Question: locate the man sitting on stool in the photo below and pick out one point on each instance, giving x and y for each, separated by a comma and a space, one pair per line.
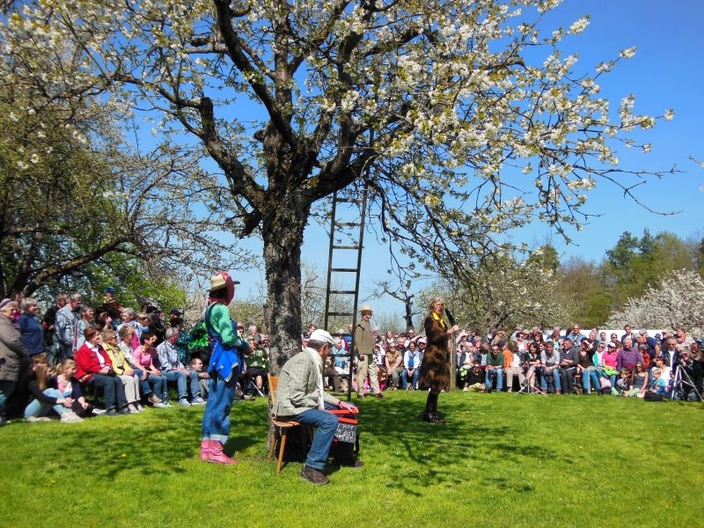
301, 396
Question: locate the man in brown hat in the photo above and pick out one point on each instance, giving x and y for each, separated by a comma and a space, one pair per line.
364, 346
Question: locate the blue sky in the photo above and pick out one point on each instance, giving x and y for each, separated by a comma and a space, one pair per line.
666, 72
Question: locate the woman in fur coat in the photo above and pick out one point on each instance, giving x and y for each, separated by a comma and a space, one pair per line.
435, 367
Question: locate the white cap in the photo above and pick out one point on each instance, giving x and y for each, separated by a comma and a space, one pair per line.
322, 336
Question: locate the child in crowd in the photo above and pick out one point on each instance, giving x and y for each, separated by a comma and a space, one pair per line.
45, 397
658, 384
623, 384
67, 383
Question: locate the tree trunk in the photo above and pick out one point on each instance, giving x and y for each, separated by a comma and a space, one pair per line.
283, 236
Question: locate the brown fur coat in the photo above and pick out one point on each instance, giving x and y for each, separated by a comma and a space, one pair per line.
435, 368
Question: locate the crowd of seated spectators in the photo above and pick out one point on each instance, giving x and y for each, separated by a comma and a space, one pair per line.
131, 359
82, 361
666, 365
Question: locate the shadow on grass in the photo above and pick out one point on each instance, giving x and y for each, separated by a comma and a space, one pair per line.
156, 442
467, 442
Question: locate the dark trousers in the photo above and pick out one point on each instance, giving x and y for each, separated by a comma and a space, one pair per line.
113, 390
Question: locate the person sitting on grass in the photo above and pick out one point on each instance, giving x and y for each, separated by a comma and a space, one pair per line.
65, 381
640, 381
623, 384
474, 379
44, 397
658, 385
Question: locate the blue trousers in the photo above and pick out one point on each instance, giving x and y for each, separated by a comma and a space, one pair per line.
216, 418
326, 425
180, 378
112, 389
590, 375
38, 408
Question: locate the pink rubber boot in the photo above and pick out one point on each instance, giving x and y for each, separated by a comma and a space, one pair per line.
205, 449
216, 455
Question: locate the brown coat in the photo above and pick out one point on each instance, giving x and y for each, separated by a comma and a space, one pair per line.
435, 368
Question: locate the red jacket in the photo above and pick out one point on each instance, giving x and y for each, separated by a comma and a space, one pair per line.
87, 362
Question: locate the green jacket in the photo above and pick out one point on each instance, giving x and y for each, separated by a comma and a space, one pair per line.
364, 338
297, 389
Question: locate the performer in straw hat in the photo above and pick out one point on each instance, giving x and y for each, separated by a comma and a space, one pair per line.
226, 361
364, 346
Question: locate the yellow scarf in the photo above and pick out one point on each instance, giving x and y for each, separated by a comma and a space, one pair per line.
440, 320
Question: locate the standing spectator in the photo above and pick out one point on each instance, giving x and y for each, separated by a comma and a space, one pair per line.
435, 366
364, 344
555, 337
652, 348
93, 367
682, 339
84, 321
176, 318
254, 333
67, 327
128, 319
575, 335
615, 340
155, 322
226, 360
49, 324
31, 331
111, 306
14, 360
628, 332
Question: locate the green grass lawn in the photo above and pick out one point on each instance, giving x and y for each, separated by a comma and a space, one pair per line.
499, 460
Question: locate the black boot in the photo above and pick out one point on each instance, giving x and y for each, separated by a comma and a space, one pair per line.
436, 414
431, 408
